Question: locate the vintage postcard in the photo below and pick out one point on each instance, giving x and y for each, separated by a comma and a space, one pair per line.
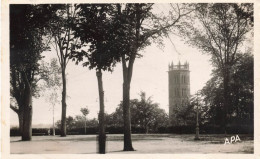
122, 79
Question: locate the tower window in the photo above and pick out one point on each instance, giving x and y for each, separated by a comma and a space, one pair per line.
175, 92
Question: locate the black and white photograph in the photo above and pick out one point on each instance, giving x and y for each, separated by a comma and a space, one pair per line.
129, 78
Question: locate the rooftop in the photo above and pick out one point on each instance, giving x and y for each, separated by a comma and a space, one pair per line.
179, 66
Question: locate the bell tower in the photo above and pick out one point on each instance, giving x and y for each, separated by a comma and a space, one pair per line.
179, 89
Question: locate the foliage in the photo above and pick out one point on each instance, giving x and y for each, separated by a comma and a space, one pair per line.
26, 46
27, 26
135, 27
63, 41
144, 114
185, 115
78, 122
117, 32
95, 30
60, 30
52, 80
211, 97
81, 120
241, 94
220, 30
84, 111
52, 74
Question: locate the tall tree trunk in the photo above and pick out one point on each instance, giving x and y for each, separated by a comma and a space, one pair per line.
101, 116
64, 105
27, 114
20, 118
127, 76
226, 98
127, 117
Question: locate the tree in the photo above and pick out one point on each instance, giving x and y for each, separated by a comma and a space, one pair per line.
115, 119
241, 94
93, 28
242, 90
60, 29
27, 23
185, 114
85, 112
119, 32
220, 30
52, 80
80, 122
213, 96
146, 111
136, 26
161, 119
145, 114
211, 99
70, 121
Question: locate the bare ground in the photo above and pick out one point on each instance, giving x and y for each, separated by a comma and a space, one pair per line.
142, 143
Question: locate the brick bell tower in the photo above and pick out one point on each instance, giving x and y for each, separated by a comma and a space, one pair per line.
179, 89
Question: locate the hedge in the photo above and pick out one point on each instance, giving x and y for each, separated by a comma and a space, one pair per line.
204, 129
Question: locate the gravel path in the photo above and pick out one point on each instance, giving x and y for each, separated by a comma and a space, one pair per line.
151, 143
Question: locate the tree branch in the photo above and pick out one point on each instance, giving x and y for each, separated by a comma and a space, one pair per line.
26, 81
15, 109
56, 48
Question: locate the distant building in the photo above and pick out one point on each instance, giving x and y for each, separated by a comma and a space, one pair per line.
179, 89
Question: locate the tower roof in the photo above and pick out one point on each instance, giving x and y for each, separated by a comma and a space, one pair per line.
179, 66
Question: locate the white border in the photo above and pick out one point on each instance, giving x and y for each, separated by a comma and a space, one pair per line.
5, 85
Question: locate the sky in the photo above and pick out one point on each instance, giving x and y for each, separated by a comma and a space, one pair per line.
149, 75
